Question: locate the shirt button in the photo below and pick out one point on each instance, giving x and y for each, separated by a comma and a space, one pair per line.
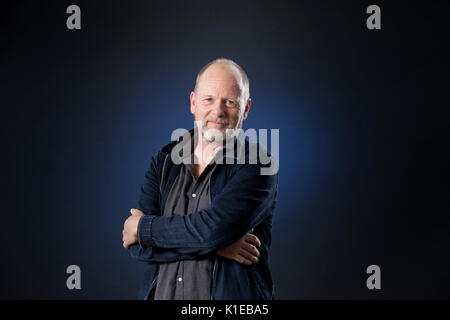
180, 279
194, 195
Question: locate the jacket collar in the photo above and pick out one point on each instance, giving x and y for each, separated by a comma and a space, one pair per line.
224, 153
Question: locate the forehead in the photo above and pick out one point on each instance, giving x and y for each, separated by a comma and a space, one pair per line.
218, 79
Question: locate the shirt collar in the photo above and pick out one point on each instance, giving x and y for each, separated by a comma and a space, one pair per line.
191, 137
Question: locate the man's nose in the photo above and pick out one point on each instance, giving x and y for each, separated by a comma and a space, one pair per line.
219, 108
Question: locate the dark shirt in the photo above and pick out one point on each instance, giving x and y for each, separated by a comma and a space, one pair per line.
186, 279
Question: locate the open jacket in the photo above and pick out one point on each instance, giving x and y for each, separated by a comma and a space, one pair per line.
241, 199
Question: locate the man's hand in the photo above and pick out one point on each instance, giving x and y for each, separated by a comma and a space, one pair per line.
129, 233
244, 250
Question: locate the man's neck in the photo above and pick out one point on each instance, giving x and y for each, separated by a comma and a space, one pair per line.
205, 151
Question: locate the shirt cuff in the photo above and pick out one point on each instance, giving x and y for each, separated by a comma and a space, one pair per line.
144, 231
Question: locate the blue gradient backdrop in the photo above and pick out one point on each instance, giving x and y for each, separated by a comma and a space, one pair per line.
362, 137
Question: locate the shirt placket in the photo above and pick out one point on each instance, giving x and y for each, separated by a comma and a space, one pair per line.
193, 196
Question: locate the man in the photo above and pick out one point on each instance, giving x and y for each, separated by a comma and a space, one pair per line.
203, 225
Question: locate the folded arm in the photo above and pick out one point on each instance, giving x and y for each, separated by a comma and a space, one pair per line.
246, 200
247, 197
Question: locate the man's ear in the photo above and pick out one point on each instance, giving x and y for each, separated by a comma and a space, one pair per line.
192, 98
247, 108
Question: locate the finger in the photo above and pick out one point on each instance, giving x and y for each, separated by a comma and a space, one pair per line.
250, 248
247, 255
136, 212
243, 260
252, 239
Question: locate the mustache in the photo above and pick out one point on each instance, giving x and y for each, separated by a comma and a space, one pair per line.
217, 120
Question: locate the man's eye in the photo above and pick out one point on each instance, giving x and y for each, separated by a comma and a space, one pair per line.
230, 102
208, 99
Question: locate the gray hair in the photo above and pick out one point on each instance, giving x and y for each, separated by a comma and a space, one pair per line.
239, 74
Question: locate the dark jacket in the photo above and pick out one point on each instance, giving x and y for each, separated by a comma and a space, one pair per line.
241, 199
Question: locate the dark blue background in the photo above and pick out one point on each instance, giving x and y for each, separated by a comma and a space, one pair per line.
363, 137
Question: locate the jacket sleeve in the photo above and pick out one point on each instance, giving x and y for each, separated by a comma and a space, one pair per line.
247, 199
149, 204
149, 198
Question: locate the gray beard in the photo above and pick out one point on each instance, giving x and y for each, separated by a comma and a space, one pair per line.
217, 137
